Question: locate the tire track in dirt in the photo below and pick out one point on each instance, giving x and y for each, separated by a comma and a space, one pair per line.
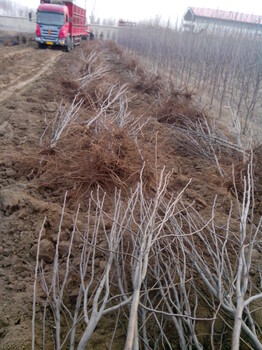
20, 86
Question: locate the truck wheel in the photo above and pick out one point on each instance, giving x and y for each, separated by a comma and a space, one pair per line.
41, 46
68, 44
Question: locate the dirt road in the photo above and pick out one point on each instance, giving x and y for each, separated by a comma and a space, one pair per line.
22, 67
28, 80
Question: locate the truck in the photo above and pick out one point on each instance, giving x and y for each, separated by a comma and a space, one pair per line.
61, 23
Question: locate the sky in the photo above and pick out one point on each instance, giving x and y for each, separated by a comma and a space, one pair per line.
136, 10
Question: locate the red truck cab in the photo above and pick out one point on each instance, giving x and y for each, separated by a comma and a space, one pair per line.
60, 23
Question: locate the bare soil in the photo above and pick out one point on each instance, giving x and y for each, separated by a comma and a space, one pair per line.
28, 87
31, 82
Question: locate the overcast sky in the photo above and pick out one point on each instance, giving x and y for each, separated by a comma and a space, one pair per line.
145, 9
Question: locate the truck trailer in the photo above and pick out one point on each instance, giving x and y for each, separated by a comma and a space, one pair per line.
61, 23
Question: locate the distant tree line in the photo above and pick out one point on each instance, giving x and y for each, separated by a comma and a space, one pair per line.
225, 67
105, 21
12, 8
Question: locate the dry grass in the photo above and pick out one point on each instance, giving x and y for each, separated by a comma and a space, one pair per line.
177, 107
196, 135
83, 160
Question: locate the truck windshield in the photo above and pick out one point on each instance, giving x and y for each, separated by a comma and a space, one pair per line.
50, 18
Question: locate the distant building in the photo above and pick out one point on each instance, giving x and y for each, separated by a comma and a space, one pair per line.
202, 19
122, 23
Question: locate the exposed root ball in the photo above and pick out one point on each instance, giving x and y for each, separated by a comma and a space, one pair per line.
83, 159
